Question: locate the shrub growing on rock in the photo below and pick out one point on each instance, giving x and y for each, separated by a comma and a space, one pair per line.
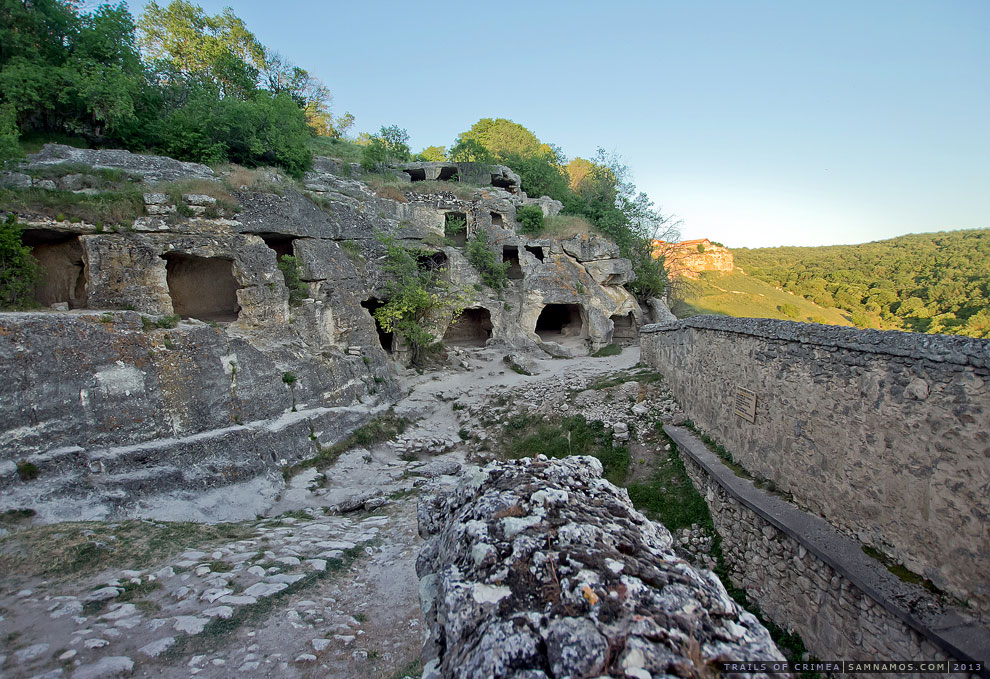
19, 271
483, 258
530, 219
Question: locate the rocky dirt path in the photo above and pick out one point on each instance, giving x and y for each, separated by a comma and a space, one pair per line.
323, 585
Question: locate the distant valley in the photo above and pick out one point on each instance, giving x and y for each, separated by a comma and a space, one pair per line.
932, 283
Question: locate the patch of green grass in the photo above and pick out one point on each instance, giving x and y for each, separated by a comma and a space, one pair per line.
566, 226
413, 668
166, 322
221, 191
637, 374
119, 206
96, 177
670, 497
902, 572
13, 517
353, 250
68, 549
737, 294
528, 436
608, 350
382, 428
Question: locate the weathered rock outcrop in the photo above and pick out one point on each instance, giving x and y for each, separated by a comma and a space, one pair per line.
93, 395
540, 568
691, 257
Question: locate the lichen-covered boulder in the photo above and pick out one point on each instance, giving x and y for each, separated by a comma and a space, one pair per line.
541, 569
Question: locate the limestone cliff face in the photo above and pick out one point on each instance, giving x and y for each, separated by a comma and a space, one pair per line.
246, 382
691, 257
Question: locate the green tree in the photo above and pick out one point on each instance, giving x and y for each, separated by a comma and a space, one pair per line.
470, 151
310, 94
69, 73
265, 130
18, 269
501, 138
214, 51
388, 147
432, 154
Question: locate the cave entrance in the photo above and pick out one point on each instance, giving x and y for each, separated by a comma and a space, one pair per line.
510, 256
202, 287
448, 174
624, 328
472, 328
455, 228
497, 219
373, 304
503, 182
63, 267
536, 251
280, 243
417, 175
560, 320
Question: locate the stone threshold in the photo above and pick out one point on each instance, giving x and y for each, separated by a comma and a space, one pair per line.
958, 635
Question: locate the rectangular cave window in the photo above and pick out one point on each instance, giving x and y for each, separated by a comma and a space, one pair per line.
497, 219
455, 228
202, 287
510, 255
373, 304
280, 243
63, 267
560, 320
417, 175
432, 261
472, 327
624, 327
448, 174
535, 251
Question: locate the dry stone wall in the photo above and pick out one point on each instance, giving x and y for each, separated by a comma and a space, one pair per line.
807, 577
885, 434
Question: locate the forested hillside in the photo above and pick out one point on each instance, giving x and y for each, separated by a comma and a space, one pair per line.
930, 282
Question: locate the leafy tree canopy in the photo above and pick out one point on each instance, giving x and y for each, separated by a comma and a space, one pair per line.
186, 42
433, 154
930, 282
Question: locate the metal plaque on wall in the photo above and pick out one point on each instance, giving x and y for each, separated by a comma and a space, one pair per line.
745, 404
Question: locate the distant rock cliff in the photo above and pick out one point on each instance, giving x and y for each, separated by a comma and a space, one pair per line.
691, 257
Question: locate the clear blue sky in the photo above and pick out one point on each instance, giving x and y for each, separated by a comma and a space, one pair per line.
757, 123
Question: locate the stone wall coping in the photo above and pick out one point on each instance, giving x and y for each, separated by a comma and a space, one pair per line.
960, 637
938, 348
